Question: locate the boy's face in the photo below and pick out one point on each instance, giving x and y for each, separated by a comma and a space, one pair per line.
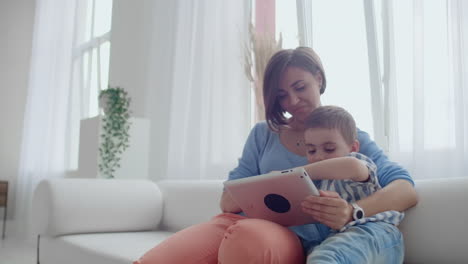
324, 143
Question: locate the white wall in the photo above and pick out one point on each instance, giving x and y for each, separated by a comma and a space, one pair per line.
16, 27
133, 37
130, 40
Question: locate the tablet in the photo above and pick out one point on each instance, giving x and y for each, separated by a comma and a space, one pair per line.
275, 196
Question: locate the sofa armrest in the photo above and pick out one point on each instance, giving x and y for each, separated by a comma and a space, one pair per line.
70, 206
435, 229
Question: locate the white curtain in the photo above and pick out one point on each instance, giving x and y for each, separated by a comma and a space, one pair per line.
198, 98
44, 150
418, 65
429, 101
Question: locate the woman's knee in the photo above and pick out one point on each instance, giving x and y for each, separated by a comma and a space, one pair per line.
259, 241
196, 244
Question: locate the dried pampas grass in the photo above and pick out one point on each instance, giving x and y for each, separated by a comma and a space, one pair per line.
258, 52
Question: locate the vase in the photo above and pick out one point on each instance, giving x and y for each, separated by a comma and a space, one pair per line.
104, 103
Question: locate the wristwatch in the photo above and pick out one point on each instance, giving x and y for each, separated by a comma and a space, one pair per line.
358, 212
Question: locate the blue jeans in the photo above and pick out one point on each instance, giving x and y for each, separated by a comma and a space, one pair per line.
373, 242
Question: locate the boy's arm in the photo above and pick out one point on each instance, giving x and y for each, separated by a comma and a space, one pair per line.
342, 168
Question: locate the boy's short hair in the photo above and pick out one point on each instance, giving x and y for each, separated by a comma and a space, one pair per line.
333, 117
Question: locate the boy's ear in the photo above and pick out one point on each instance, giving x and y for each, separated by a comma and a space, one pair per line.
355, 146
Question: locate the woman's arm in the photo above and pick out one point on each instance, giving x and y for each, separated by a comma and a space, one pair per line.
398, 192
398, 195
342, 168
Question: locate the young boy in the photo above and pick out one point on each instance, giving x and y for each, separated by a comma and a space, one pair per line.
331, 142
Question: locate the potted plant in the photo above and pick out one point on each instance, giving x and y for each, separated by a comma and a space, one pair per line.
115, 103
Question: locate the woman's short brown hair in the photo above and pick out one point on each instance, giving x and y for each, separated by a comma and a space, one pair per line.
333, 117
301, 57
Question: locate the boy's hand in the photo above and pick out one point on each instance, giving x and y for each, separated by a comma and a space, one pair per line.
329, 209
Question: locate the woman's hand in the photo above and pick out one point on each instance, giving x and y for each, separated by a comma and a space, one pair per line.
329, 209
227, 204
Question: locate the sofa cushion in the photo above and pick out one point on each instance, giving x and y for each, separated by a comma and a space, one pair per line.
435, 229
189, 202
103, 248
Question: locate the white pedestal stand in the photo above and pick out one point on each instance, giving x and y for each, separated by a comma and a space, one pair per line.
134, 160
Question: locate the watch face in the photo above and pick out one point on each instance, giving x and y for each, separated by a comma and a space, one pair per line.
359, 214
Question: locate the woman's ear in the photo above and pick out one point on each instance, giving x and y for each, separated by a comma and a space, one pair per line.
319, 78
355, 146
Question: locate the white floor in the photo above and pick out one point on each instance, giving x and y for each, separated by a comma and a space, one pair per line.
15, 252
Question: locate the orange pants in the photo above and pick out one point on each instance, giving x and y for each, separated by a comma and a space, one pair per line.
228, 239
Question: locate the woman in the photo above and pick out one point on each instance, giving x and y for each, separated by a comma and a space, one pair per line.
293, 82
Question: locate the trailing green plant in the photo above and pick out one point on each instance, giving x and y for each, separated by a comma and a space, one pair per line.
115, 129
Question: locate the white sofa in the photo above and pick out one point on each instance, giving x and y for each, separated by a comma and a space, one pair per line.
97, 221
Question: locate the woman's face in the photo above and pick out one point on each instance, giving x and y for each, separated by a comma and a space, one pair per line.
299, 92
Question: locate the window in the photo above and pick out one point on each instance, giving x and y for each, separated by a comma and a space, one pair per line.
422, 67
339, 37
91, 53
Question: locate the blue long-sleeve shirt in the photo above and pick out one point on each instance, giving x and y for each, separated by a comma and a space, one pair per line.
263, 153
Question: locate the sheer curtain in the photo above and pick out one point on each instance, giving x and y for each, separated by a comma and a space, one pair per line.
428, 124
198, 98
417, 68
44, 148
338, 35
